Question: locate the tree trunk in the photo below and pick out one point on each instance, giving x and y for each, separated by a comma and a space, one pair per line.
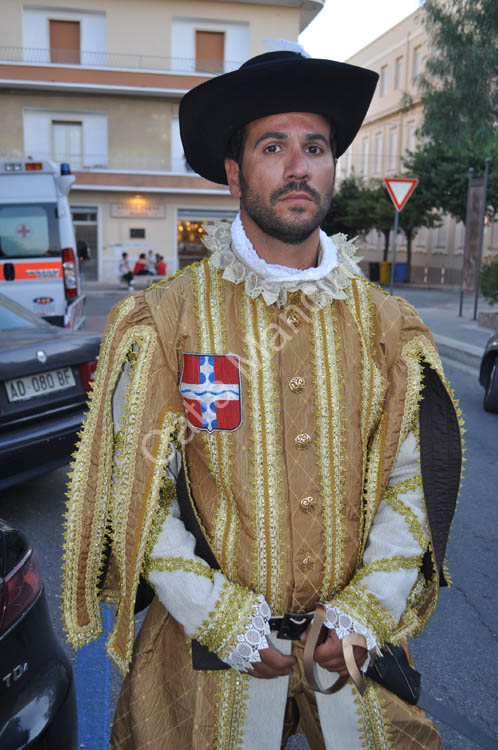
409, 237
386, 244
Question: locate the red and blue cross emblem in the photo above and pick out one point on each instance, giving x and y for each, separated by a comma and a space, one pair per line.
210, 388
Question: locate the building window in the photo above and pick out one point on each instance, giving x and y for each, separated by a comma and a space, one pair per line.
195, 40
79, 137
190, 231
378, 153
179, 161
84, 215
364, 157
460, 238
383, 80
345, 163
412, 138
63, 35
393, 148
440, 238
417, 61
349, 161
137, 233
67, 143
398, 73
209, 51
64, 42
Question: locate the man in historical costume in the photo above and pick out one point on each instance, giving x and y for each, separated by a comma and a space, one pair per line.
269, 435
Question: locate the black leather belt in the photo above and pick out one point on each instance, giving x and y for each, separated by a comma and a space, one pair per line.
291, 625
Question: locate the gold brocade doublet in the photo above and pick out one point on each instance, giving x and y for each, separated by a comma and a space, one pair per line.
280, 496
286, 463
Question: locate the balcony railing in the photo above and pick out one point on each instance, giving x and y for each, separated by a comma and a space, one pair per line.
86, 58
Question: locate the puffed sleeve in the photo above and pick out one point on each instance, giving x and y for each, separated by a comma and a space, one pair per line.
395, 588
116, 475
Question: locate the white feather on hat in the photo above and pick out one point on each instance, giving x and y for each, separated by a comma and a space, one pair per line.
274, 44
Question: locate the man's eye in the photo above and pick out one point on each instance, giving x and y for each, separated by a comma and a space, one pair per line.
272, 148
315, 149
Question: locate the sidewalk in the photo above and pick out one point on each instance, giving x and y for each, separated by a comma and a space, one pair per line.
460, 339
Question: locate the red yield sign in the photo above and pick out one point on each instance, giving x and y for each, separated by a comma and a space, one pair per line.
400, 189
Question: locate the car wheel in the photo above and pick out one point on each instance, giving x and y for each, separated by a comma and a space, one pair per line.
491, 395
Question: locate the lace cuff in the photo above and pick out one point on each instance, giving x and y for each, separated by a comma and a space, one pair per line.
253, 639
344, 624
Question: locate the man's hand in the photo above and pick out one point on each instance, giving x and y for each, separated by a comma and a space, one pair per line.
272, 664
329, 653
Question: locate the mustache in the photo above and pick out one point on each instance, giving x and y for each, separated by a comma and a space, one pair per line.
298, 186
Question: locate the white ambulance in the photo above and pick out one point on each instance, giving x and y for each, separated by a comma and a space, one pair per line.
38, 259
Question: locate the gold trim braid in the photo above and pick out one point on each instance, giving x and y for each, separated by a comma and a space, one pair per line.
80, 633
265, 454
329, 411
120, 643
233, 609
212, 339
115, 484
231, 704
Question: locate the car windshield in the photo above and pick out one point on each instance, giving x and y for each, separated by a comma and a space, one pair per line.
28, 230
13, 315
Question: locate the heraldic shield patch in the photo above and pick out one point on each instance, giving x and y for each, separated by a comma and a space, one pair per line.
210, 388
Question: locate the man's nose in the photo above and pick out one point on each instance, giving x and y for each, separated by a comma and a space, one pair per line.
297, 166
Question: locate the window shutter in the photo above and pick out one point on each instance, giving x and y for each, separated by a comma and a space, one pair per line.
65, 42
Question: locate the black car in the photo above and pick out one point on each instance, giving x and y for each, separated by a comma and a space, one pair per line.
37, 693
45, 375
488, 375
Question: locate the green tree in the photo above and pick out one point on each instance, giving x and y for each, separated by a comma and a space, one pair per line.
351, 211
459, 85
459, 94
382, 212
489, 281
445, 177
358, 207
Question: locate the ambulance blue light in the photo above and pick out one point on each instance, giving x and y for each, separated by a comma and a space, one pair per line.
65, 168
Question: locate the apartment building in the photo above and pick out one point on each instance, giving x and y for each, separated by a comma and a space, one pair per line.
98, 84
388, 132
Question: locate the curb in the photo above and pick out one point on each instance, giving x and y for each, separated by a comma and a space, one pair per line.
466, 354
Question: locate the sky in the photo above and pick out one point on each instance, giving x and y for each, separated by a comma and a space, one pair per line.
343, 27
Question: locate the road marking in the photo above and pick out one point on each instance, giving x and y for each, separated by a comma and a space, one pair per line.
93, 689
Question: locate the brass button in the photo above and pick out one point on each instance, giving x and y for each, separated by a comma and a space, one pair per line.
307, 504
296, 384
294, 319
308, 563
302, 441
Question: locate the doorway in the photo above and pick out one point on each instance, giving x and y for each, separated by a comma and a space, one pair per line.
85, 221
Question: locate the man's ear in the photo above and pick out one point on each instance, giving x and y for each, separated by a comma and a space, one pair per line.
233, 176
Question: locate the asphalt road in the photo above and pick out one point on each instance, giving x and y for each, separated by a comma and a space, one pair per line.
457, 653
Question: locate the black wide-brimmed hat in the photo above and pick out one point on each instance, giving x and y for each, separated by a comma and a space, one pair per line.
269, 84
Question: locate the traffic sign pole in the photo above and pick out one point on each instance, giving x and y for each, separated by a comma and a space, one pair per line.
483, 218
399, 189
395, 242
460, 308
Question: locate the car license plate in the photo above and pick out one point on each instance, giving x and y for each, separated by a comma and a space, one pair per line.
20, 389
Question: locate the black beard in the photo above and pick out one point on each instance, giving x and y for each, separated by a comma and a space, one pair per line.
264, 216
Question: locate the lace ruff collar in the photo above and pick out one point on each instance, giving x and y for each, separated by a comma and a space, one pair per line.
322, 284
244, 249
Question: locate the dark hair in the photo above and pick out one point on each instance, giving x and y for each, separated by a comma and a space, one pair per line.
236, 145
237, 142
